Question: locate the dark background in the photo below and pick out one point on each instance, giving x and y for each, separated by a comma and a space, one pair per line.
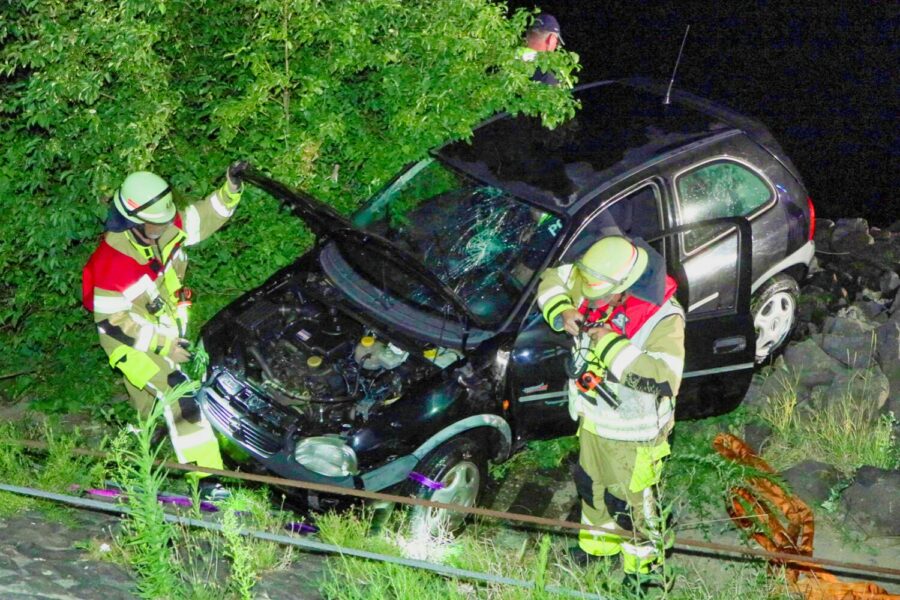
823, 77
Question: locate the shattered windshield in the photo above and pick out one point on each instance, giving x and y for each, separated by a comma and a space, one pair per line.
481, 242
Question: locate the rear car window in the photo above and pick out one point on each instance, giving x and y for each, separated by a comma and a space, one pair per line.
720, 189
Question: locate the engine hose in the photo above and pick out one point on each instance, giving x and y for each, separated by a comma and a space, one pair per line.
263, 364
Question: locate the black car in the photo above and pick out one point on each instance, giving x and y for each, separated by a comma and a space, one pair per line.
405, 350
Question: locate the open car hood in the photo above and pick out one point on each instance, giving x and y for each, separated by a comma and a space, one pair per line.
324, 221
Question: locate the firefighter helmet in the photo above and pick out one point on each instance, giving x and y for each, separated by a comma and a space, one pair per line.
145, 198
611, 266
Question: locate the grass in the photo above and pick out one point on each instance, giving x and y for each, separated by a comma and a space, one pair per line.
54, 471
539, 454
846, 434
539, 557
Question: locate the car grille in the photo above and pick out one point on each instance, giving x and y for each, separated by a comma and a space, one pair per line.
239, 426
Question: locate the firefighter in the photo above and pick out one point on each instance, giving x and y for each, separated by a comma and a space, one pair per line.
133, 285
624, 373
542, 36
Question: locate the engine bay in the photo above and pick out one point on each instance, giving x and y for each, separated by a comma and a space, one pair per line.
300, 346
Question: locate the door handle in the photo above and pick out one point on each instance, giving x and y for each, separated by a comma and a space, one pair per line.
730, 345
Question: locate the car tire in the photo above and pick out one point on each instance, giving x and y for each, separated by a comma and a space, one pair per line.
774, 310
460, 466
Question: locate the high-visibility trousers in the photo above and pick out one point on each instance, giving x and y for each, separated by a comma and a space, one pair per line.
191, 434
616, 482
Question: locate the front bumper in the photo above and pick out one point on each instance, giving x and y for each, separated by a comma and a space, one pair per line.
273, 450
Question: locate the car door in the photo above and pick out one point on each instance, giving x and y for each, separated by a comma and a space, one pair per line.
719, 334
537, 381
721, 343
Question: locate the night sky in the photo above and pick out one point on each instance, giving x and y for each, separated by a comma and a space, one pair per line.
823, 77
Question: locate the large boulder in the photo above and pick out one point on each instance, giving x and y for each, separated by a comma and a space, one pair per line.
812, 365
889, 360
850, 235
853, 322
872, 501
889, 282
855, 351
866, 389
812, 480
824, 229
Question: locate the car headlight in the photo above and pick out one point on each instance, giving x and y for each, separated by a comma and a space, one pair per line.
326, 455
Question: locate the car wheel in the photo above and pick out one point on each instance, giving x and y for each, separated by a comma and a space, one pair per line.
774, 309
456, 474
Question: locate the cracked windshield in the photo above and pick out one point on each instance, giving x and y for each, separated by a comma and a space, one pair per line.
482, 242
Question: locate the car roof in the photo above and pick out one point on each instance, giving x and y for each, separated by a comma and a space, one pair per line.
621, 126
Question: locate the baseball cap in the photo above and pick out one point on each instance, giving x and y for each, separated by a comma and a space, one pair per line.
547, 22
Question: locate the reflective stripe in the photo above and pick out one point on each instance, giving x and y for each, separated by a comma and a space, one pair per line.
565, 272
145, 335
739, 367
556, 290
623, 360
173, 433
143, 285
639, 550
107, 305
675, 363
192, 225
221, 209
598, 542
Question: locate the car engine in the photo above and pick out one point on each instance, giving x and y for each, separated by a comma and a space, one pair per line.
296, 346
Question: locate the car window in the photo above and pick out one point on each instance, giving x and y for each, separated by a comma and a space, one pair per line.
719, 189
637, 214
481, 241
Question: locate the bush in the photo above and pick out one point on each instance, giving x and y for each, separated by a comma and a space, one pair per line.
333, 97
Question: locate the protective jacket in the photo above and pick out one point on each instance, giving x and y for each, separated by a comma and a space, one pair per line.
639, 364
135, 291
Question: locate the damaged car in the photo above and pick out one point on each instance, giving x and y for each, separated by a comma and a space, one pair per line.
405, 350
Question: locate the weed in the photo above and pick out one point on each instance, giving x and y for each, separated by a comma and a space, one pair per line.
243, 575
845, 433
147, 536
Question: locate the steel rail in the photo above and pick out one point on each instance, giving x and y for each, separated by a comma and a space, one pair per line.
308, 545
680, 543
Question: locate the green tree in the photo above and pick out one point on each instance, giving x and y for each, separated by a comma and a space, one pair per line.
330, 96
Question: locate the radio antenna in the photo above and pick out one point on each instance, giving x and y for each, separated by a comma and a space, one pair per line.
675, 70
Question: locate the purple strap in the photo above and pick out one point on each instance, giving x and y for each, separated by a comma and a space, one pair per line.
299, 527
106, 493
429, 483
176, 500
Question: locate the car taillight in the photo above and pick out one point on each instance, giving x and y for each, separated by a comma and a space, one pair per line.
812, 218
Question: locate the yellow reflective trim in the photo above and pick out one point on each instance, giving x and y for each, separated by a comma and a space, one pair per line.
634, 564
648, 466
168, 248
171, 282
137, 367
204, 455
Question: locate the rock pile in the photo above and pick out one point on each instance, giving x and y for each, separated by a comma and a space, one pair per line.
846, 348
